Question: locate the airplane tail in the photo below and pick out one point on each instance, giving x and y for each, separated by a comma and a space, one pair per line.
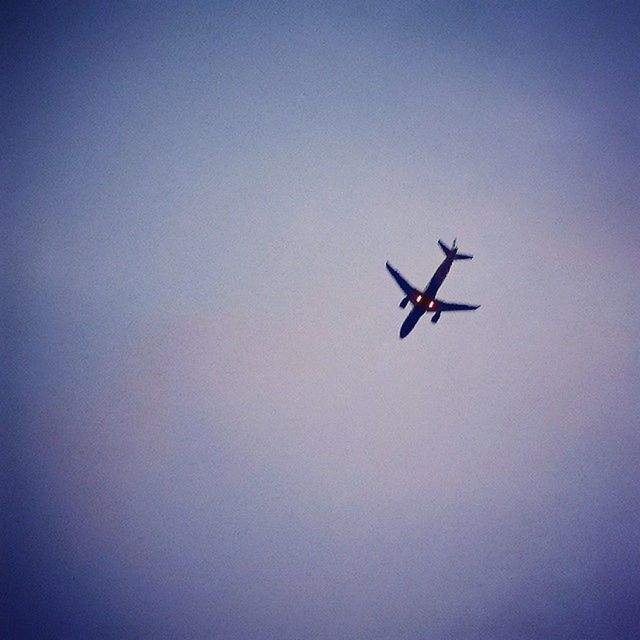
453, 252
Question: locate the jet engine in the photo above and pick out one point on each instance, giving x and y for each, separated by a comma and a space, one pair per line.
404, 302
436, 317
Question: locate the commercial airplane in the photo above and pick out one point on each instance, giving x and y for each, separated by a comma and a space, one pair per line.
426, 301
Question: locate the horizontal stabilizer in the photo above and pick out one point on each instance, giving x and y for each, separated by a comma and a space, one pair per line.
444, 247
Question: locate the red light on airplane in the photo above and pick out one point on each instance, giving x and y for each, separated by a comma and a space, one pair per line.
418, 298
430, 305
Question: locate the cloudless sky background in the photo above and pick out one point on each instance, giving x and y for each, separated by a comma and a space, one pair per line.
211, 428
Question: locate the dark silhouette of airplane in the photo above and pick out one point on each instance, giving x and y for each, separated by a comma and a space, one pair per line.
426, 301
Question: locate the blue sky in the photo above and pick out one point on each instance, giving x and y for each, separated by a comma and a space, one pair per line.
213, 430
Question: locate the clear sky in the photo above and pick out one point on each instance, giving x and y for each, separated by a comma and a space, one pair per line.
210, 426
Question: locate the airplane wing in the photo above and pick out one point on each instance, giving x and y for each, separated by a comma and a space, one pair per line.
454, 306
402, 283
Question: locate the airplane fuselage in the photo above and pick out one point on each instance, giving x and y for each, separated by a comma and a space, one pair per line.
438, 277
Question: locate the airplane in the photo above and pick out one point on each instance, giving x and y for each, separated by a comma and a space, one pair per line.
426, 301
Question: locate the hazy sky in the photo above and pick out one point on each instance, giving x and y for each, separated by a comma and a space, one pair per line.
211, 428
